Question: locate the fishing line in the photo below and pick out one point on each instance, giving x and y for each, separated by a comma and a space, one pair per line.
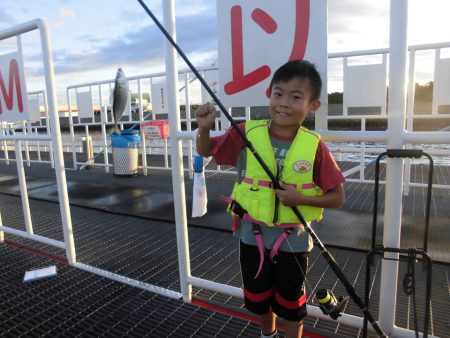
305, 274
328, 257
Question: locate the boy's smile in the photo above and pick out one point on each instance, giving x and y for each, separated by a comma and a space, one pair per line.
290, 103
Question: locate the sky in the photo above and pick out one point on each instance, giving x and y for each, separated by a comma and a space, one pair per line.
91, 38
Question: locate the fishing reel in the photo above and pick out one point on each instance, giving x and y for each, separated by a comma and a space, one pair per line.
329, 304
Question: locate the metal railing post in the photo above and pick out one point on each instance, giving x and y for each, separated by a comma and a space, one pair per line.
176, 155
56, 140
394, 168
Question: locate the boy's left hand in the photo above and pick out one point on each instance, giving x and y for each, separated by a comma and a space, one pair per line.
289, 196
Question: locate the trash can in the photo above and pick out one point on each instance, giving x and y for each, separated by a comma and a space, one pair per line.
125, 152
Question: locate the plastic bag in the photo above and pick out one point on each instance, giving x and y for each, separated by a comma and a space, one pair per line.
200, 195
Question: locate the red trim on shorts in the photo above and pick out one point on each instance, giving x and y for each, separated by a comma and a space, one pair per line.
240, 313
288, 304
258, 297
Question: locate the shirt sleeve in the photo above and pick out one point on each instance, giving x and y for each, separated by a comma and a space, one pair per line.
226, 148
327, 174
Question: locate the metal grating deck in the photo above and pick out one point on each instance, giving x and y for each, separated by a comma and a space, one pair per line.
77, 303
134, 236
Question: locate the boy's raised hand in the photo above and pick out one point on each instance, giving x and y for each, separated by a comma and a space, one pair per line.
205, 116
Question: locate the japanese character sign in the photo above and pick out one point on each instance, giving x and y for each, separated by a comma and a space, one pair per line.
258, 36
159, 98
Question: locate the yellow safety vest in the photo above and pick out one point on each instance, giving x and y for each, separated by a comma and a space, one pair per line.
255, 193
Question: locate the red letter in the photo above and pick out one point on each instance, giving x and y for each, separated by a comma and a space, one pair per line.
13, 78
240, 80
302, 12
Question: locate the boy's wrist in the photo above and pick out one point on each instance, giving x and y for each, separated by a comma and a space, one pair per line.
203, 131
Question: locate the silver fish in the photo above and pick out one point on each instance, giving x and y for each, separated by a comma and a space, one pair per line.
120, 96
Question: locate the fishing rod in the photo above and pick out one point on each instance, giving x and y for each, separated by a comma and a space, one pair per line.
328, 257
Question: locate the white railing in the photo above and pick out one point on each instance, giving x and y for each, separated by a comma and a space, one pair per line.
101, 119
10, 137
54, 138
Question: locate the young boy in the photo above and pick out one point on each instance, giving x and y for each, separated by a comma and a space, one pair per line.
274, 245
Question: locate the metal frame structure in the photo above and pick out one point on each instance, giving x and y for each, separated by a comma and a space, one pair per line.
53, 135
75, 144
54, 138
395, 137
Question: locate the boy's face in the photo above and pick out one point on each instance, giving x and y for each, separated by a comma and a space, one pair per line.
290, 103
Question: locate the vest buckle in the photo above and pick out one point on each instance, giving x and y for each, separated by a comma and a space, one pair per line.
255, 184
237, 209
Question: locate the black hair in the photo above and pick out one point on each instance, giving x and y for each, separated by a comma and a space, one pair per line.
299, 69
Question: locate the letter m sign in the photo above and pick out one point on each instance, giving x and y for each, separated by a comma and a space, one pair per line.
13, 92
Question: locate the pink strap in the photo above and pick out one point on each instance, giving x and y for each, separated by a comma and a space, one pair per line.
269, 184
278, 242
226, 198
250, 219
260, 243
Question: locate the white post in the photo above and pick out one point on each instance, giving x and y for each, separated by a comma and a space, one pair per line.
47, 125
23, 187
4, 131
176, 153
363, 151
104, 120
2, 235
409, 116
247, 113
187, 104
56, 140
141, 119
72, 133
344, 99
24, 129
394, 171
434, 104
383, 105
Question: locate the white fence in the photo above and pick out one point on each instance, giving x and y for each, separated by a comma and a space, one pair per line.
90, 117
16, 139
13, 135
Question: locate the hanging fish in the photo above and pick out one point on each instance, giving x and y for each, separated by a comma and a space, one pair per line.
120, 98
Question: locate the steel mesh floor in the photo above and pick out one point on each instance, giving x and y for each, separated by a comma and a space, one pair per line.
76, 303
80, 304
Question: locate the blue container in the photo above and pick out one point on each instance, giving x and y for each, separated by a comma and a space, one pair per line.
125, 152
127, 139
198, 164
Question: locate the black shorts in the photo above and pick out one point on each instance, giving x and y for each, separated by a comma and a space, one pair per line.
279, 285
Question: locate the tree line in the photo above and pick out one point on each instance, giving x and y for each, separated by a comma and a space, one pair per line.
423, 93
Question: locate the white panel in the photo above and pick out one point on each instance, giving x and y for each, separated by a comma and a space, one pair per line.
84, 105
264, 37
34, 109
14, 103
443, 82
159, 98
365, 85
